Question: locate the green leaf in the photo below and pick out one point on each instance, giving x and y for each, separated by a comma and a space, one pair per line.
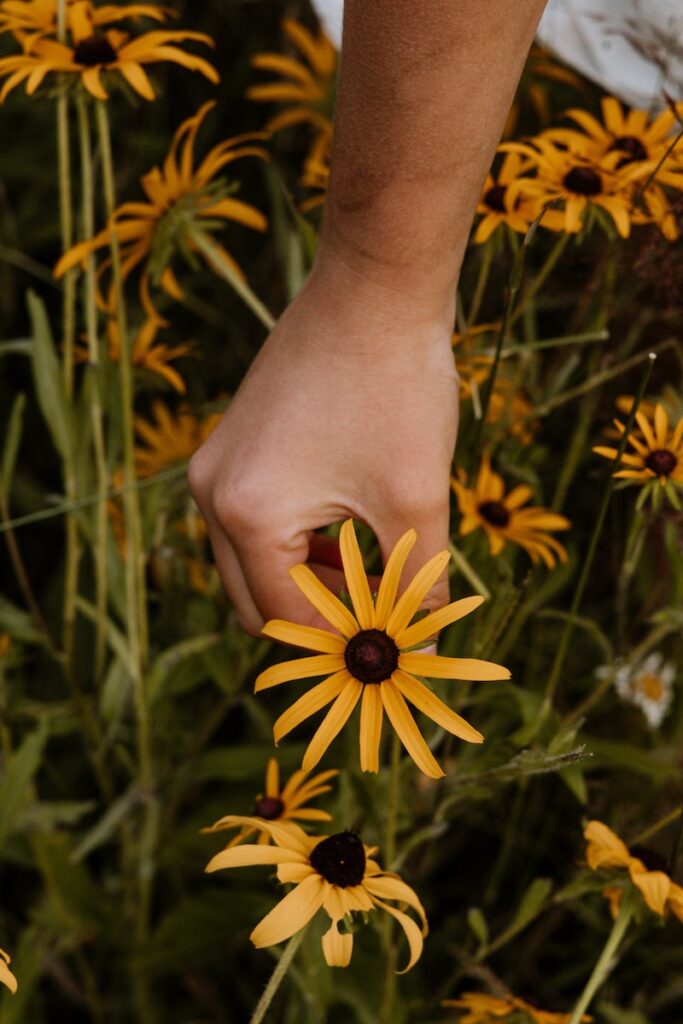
47, 377
107, 825
532, 901
12, 441
477, 924
21, 769
18, 623
172, 657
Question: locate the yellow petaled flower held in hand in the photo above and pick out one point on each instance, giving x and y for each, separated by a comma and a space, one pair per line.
503, 516
480, 1008
308, 88
335, 873
286, 804
657, 450
171, 437
499, 205
181, 198
370, 660
6, 976
606, 850
33, 19
93, 53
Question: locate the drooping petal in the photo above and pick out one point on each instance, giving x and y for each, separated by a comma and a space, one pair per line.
291, 914
6, 976
356, 579
436, 621
323, 600
388, 588
303, 668
654, 885
415, 593
332, 723
411, 930
391, 888
337, 948
429, 704
272, 778
605, 848
371, 716
409, 734
434, 666
304, 636
313, 700
249, 854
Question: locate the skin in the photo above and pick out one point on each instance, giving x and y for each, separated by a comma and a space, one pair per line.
350, 408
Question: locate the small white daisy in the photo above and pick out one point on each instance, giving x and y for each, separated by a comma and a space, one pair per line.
648, 684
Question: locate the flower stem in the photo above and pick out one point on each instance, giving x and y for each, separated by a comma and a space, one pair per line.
563, 646
535, 286
480, 286
276, 977
224, 270
605, 964
389, 990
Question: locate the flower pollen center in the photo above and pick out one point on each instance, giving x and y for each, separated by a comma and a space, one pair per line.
340, 859
495, 513
371, 656
649, 686
495, 199
95, 50
583, 180
631, 146
269, 807
661, 461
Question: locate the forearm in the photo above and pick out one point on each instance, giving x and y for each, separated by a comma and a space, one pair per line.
424, 91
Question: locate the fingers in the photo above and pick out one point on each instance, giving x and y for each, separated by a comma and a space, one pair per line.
233, 580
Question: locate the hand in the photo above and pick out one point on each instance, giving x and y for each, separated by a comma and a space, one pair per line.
349, 409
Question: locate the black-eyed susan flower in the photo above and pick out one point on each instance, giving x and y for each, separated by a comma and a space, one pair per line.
6, 976
504, 517
286, 803
480, 1008
30, 20
498, 204
307, 86
577, 182
180, 199
647, 683
146, 353
332, 873
605, 850
169, 437
657, 450
93, 55
369, 660
635, 135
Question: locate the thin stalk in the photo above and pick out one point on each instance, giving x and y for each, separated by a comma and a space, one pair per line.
546, 270
563, 646
250, 299
386, 1015
95, 369
276, 977
468, 571
480, 287
136, 604
23, 580
606, 962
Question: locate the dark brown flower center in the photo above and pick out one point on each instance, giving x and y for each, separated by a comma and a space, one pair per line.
371, 656
340, 859
662, 462
631, 146
495, 199
95, 50
495, 513
269, 807
651, 860
583, 180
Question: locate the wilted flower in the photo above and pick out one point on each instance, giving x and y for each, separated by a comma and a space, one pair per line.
335, 873
372, 660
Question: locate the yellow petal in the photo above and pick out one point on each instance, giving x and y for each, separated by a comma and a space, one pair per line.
294, 873
433, 666
429, 704
654, 885
304, 668
431, 624
412, 933
136, 76
661, 425
388, 588
250, 854
332, 723
6, 976
605, 848
391, 888
272, 778
371, 716
291, 914
93, 83
286, 834
311, 701
356, 580
337, 948
409, 734
323, 600
415, 593
304, 636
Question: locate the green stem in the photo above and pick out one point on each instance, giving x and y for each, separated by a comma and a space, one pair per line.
535, 286
95, 369
606, 962
224, 270
563, 646
479, 288
468, 571
276, 977
136, 603
386, 1015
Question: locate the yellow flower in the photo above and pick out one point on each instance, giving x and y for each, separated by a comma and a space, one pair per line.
281, 804
335, 873
316, 172
93, 53
504, 518
146, 352
180, 199
473, 366
33, 19
372, 660
511, 409
578, 181
606, 850
500, 205
171, 437
6, 976
657, 453
480, 1008
308, 86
